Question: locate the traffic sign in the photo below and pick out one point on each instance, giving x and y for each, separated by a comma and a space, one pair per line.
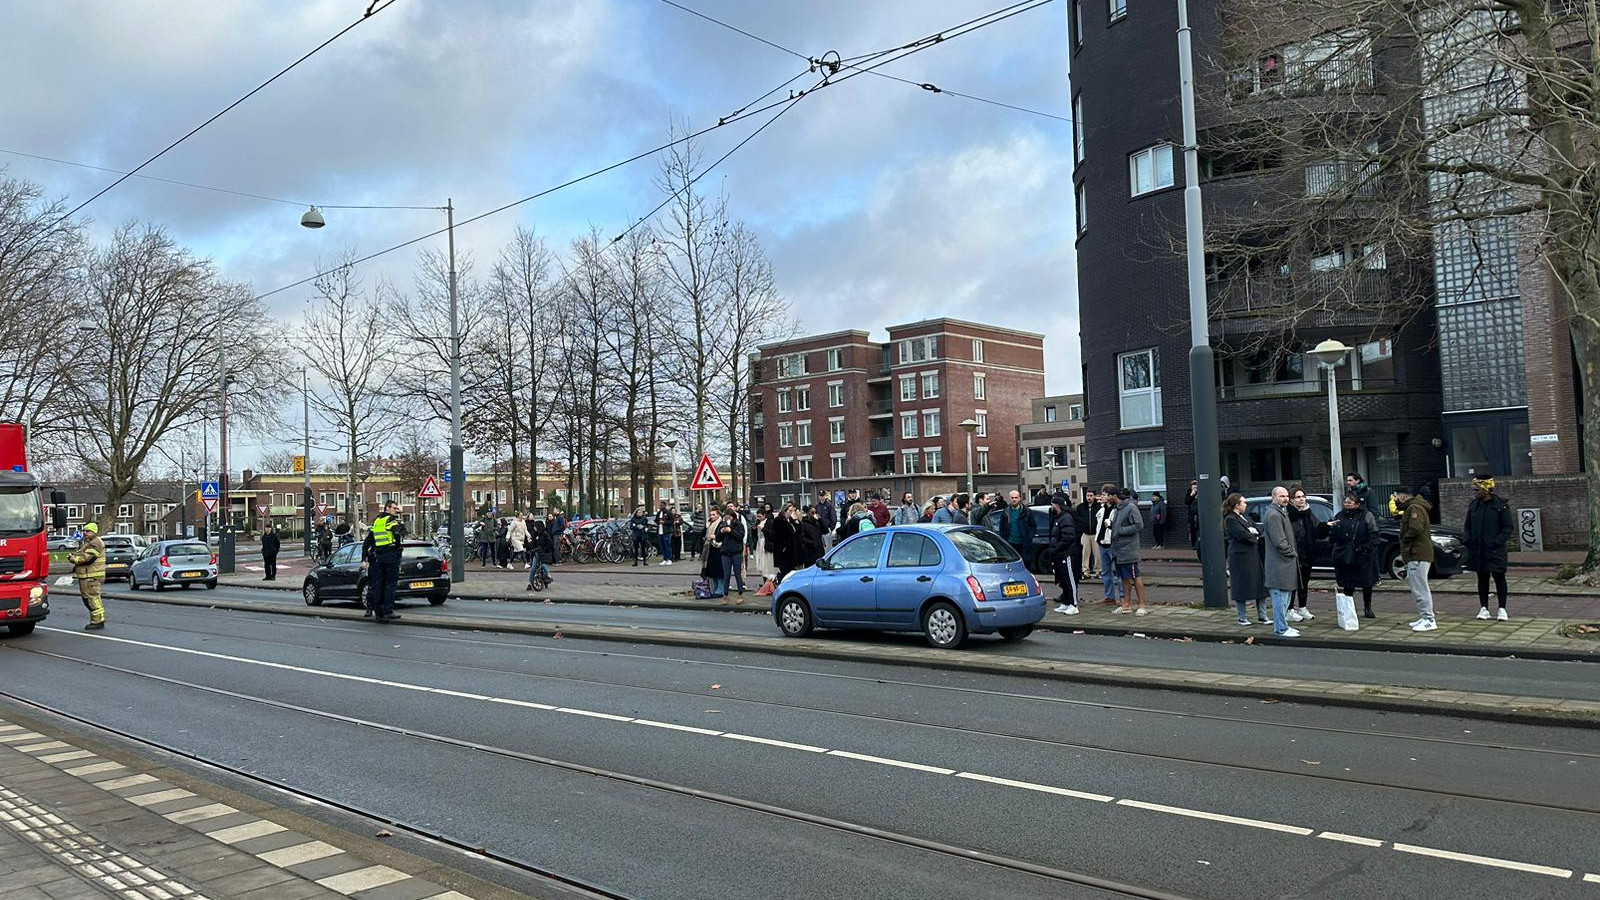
446, 476
322, 510
210, 502
299, 464
705, 476
430, 489
210, 490
262, 510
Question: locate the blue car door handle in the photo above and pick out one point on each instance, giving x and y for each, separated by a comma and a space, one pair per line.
924, 577
866, 578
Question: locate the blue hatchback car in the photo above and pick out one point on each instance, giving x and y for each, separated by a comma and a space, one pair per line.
947, 581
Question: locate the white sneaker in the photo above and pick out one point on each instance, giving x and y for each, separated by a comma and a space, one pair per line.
1414, 623
1062, 608
1503, 615
1071, 610
1424, 625
1289, 632
1294, 615
1306, 616
666, 562
1483, 612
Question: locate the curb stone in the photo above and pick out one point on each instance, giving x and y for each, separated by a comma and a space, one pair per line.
1393, 698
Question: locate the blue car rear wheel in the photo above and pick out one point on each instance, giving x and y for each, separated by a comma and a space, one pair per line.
944, 626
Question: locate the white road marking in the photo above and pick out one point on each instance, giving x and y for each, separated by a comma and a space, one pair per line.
1591, 878
40, 748
362, 879
897, 763
200, 813
117, 784
1218, 817
21, 736
525, 704
154, 797
787, 745
1512, 864
676, 727
95, 769
299, 853
1351, 839
1031, 786
594, 715
55, 758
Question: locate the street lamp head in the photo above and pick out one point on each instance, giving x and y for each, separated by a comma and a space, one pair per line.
672, 443
969, 425
313, 218
1330, 352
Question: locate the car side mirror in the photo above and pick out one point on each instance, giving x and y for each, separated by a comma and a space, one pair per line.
824, 564
58, 517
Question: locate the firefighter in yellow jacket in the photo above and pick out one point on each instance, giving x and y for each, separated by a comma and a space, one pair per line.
89, 565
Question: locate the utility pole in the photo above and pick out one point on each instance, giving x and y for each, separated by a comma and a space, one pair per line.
305, 411
458, 454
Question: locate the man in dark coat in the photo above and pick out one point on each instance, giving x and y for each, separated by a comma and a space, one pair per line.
809, 546
826, 515
270, 546
1065, 551
1488, 528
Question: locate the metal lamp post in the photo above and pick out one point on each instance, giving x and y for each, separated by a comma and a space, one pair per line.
225, 547
364, 476
969, 426
305, 410
1049, 470
1330, 354
313, 218
672, 455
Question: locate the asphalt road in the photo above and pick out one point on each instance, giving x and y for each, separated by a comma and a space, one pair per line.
1199, 796
1518, 677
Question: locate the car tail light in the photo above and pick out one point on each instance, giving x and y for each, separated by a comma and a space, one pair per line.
1033, 585
975, 588
164, 563
213, 559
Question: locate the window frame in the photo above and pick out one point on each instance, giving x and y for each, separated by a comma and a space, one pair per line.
977, 350
1116, 11
981, 416
905, 381
835, 359
802, 399
982, 464
835, 396
1080, 149
1081, 208
1153, 391
930, 385
932, 423
910, 461
980, 386
1153, 152
933, 460
1132, 476
910, 419
802, 434
835, 431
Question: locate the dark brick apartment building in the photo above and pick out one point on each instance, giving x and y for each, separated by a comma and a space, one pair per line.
839, 411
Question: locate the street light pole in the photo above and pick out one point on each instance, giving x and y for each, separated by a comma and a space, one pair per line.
969, 426
672, 454
305, 466
224, 512
1202, 364
1331, 354
458, 453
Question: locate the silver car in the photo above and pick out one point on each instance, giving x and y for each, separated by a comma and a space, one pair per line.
168, 563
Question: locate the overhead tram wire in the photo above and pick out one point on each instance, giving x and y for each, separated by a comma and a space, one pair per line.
743, 113
854, 62
377, 6
188, 184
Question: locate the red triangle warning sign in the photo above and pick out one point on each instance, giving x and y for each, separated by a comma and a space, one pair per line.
705, 476
430, 489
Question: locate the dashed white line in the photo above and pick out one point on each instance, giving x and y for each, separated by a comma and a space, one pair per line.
673, 726
1218, 817
897, 763
1592, 878
594, 715
787, 745
1041, 788
1497, 863
1350, 839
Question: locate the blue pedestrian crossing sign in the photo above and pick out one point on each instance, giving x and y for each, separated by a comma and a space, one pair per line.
446, 476
210, 490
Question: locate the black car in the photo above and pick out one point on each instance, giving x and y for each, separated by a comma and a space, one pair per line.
1036, 558
121, 551
1447, 547
423, 573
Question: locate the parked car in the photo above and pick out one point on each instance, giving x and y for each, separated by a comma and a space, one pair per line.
1447, 546
947, 581
61, 543
176, 562
121, 551
423, 573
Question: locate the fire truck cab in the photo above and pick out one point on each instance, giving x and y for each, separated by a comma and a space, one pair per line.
24, 556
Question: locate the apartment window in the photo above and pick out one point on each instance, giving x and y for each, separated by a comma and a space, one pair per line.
982, 418
930, 386
977, 350
1063, 454
908, 387
1075, 412
837, 466
836, 431
1145, 470
792, 365
785, 470
930, 424
1080, 205
1077, 129
1150, 169
835, 396
1049, 413
74, 511
908, 425
1116, 10
785, 402
802, 398
805, 468
125, 511
1139, 387
803, 434
980, 386
1035, 457
99, 510
934, 460
150, 510
1077, 24
908, 462
1365, 256
835, 360
785, 435
983, 462
919, 349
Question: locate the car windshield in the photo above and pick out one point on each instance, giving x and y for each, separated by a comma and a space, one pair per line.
420, 551
195, 549
20, 512
982, 546
113, 540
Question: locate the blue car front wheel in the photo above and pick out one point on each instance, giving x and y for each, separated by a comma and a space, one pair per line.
794, 617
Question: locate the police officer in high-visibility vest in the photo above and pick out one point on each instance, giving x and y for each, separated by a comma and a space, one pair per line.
89, 565
381, 554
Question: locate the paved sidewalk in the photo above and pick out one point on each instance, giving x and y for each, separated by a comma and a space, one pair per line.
76, 824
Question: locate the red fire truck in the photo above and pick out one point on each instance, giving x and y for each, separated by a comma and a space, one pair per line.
24, 558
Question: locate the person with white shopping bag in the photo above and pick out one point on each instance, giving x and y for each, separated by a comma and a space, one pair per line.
1354, 538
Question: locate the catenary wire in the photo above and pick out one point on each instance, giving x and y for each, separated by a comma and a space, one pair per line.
372, 10
727, 120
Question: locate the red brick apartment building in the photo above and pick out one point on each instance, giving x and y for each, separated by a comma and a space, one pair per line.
839, 411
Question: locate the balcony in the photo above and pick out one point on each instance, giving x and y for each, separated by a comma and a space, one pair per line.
1326, 65
880, 408
1342, 289
882, 445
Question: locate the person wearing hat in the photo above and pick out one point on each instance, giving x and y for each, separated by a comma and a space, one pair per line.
1488, 528
1416, 551
89, 565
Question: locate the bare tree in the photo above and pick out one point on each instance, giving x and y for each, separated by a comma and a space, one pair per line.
424, 321
756, 314
523, 282
1463, 129
637, 356
354, 355
41, 265
149, 366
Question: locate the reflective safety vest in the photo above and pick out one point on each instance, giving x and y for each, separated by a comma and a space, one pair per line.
382, 532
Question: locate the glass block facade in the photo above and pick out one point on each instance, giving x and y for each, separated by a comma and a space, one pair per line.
1481, 355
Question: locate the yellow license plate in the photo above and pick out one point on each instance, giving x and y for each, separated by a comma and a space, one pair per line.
421, 584
116, 565
191, 574
1014, 590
